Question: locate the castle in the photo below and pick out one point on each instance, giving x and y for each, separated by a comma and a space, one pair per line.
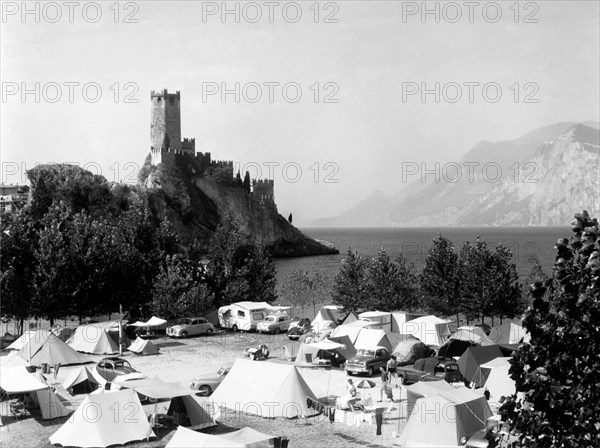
166, 144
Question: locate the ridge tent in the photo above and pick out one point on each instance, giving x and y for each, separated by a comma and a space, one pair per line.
441, 420
81, 381
186, 438
93, 339
473, 357
346, 330
324, 319
290, 350
496, 379
322, 349
424, 389
49, 349
471, 334
24, 338
348, 350
12, 360
369, 338
94, 424
430, 330
143, 347
351, 317
196, 410
509, 333
454, 347
266, 389
16, 380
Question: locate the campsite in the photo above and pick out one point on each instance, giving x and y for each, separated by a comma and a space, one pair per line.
300, 393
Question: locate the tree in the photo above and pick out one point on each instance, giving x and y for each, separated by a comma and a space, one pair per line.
536, 275
440, 280
389, 286
349, 283
179, 289
303, 289
559, 370
247, 182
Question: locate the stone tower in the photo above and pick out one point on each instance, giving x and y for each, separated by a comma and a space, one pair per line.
165, 125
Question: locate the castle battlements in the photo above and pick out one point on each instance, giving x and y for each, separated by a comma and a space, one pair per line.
166, 142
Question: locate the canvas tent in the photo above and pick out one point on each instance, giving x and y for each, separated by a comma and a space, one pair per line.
48, 348
494, 376
253, 387
369, 338
350, 317
81, 381
24, 338
509, 333
324, 319
200, 413
430, 330
471, 334
143, 347
93, 339
186, 438
12, 360
346, 330
454, 348
290, 350
326, 349
94, 424
424, 389
16, 380
441, 420
473, 357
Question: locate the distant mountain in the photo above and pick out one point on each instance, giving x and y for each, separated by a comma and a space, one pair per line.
513, 183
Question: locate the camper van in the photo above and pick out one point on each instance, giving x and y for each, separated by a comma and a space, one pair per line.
243, 316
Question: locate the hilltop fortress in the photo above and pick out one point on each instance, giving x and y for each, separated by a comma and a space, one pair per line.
193, 191
166, 143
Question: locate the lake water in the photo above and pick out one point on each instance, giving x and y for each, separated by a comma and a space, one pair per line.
526, 243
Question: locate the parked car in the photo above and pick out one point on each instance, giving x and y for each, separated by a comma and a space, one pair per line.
274, 323
430, 369
190, 326
113, 367
207, 383
368, 361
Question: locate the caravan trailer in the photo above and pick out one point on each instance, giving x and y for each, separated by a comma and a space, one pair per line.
243, 316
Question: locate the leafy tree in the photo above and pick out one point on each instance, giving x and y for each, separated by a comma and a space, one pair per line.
559, 371
536, 274
238, 271
180, 290
349, 283
440, 279
304, 290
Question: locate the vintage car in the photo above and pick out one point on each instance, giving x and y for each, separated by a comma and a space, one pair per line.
431, 369
207, 383
274, 323
190, 326
368, 361
113, 367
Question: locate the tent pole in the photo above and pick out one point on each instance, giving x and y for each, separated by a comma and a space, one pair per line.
29, 341
120, 330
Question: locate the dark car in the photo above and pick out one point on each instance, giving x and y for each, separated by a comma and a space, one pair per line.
113, 367
368, 361
298, 328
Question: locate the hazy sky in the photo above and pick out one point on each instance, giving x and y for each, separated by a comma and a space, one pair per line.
375, 51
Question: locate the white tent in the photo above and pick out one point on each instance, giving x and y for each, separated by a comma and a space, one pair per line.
346, 330
15, 380
12, 360
370, 338
430, 330
509, 333
472, 334
441, 420
266, 389
143, 347
323, 320
497, 379
201, 413
46, 347
186, 438
102, 420
24, 338
93, 339
81, 380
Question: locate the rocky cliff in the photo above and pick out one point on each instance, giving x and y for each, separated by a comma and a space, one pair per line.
194, 202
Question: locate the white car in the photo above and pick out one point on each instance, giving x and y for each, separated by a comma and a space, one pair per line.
274, 323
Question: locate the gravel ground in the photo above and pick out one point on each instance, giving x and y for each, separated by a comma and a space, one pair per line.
182, 360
